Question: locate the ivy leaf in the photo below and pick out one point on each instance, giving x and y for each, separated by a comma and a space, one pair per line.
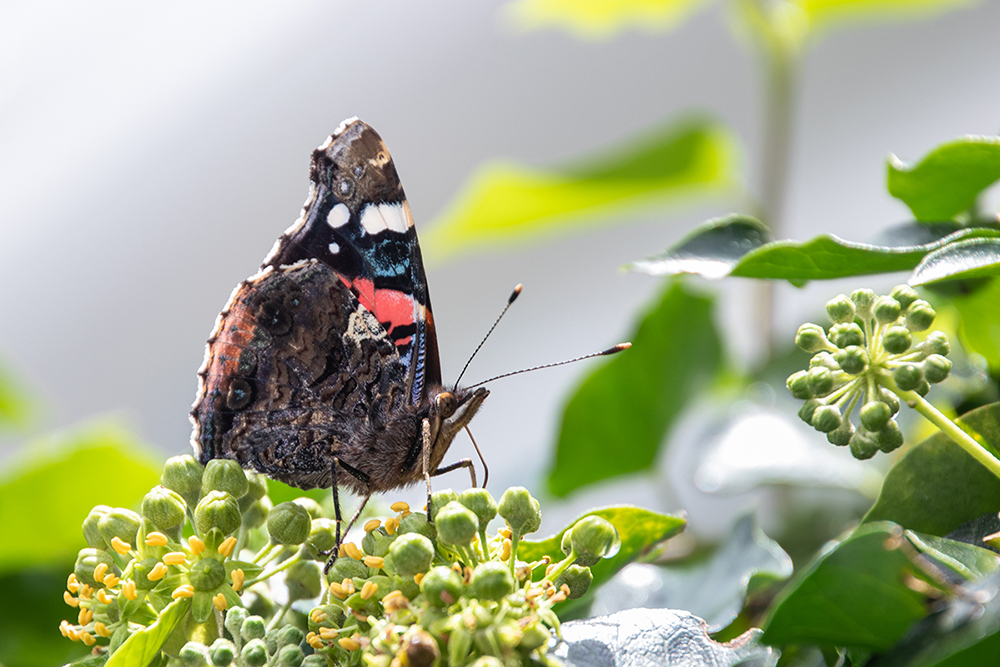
980, 329
822, 14
853, 595
947, 180
962, 260
616, 420
599, 19
967, 561
143, 646
935, 487
506, 202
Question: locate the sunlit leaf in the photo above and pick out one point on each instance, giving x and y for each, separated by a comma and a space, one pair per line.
822, 14
616, 421
980, 329
599, 19
139, 649
968, 561
506, 202
854, 595
947, 180
962, 260
61, 479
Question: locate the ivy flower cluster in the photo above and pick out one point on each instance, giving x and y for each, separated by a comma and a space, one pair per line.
868, 360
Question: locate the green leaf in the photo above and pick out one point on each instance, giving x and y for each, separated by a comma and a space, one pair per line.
30, 614
935, 487
599, 19
962, 260
616, 420
853, 595
143, 646
279, 492
947, 180
504, 203
59, 481
980, 328
639, 530
966, 560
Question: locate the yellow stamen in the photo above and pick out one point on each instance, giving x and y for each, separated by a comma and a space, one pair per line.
549, 569
63, 626
70, 600
337, 591
220, 602
227, 546
102, 597
73, 633
418, 577
559, 597
368, 590
505, 532
157, 573
111, 581
129, 591
175, 558
238, 578
85, 616
86, 591
185, 591
394, 601
348, 644
403, 515
396, 662
101, 629
328, 634
564, 589
156, 539
399, 506
505, 554
317, 616
457, 567
88, 639
372, 525
348, 585
391, 525
196, 545
73, 588
71, 580
353, 551
374, 561
313, 640
121, 547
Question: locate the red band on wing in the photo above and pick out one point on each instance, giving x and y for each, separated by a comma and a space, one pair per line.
387, 305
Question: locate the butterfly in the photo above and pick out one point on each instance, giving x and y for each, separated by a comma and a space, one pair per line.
322, 370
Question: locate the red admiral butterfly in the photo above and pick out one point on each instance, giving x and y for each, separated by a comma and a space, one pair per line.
323, 368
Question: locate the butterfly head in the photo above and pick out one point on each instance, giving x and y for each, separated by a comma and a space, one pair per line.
450, 411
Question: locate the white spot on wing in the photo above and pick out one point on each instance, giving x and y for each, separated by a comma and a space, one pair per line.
338, 216
344, 124
393, 217
334, 248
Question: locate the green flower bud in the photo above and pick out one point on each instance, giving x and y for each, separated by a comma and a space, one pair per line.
886, 310
225, 475
923, 388
163, 509
314, 660
323, 535
824, 360
222, 653
595, 537
120, 523
521, 512
937, 343
288, 523
841, 436
416, 522
310, 506
90, 530
304, 580
217, 510
411, 554
904, 294
481, 503
863, 444
193, 654
826, 418
908, 376
577, 578
896, 340
456, 524
808, 409
87, 561
371, 539
207, 574
234, 620
491, 581
256, 514
840, 309
936, 368
290, 636
535, 635
332, 617
183, 475
441, 586
889, 437
254, 654
852, 359
811, 337
919, 316
798, 385
347, 568
889, 399
420, 648
874, 415
863, 300
271, 641
441, 498
290, 656
253, 628
820, 381
256, 485
846, 334
486, 661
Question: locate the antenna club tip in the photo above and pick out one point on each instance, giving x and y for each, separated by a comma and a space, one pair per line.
617, 348
515, 293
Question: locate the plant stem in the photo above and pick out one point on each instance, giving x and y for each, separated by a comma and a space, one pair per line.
952, 430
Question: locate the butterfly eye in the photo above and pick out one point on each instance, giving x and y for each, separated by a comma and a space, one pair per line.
446, 404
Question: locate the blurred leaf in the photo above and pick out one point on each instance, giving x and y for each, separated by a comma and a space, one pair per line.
853, 595
140, 649
599, 19
15, 408
506, 202
279, 492
947, 180
980, 329
935, 487
963, 260
968, 561
45, 498
29, 628
616, 420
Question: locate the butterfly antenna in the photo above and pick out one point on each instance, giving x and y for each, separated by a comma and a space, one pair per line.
486, 468
611, 350
513, 296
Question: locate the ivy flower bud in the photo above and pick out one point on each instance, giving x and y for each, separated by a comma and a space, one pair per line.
192, 654
234, 620
923, 388
863, 444
253, 628
256, 514
288, 523
183, 475
841, 436
346, 568
254, 653
328, 616
820, 381
417, 522
225, 475
811, 337
309, 505
798, 385
491, 581
521, 512
439, 499
889, 437
826, 418
163, 509
595, 537
217, 510
322, 534
904, 294
91, 532
846, 334
290, 655
120, 523
919, 316
256, 485
840, 309
874, 415
808, 409
207, 574
481, 503
441, 586
535, 635
315, 660
420, 649
486, 661
886, 310
577, 578
456, 524
908, 376
222, 653
889, 399
87, 561
897, 340
304, 580
411, 554
863, 300
853, 359
936, 368
823, 360
937, 343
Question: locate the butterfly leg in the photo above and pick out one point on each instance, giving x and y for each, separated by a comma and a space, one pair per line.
464, 463
364, 479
